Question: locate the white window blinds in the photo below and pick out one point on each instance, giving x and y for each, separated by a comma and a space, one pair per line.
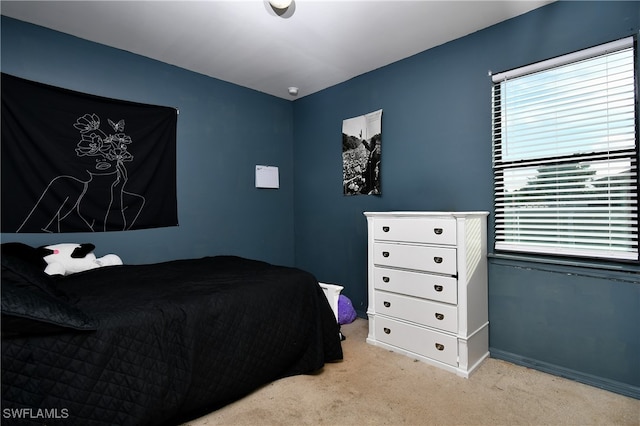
565, 155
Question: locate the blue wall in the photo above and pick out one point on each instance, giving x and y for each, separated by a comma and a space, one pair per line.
574, 321
578, 321
224, 131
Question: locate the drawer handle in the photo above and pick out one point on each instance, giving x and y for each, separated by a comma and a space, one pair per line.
437, 259
439, 316
439, 346
385, 229
438, 231
437, 288
385, 279
387, 304
385, 254
387, 330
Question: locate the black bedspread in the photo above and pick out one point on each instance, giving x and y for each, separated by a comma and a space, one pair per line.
173, 341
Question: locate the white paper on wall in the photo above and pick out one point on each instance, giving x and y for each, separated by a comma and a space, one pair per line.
267, 177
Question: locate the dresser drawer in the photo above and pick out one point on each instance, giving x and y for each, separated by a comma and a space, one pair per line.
429, 231
422, 258
424, 312
427, 286
429, 343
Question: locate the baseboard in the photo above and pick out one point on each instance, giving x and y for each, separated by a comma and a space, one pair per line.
567, 373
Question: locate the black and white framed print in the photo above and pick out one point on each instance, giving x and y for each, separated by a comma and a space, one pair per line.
361, 149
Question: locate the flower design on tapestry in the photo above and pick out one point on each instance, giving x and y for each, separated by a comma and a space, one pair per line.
95, 142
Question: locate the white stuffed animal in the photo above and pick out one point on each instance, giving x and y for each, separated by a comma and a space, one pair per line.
69, 258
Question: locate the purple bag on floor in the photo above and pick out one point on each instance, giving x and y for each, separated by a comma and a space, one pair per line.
346, 312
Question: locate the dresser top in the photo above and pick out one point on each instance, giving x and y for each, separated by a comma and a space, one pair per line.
424, 214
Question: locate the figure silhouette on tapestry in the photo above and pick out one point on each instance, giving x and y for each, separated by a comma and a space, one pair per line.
97, 202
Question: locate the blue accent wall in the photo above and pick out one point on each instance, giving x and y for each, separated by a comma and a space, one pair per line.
580, 321
224, 131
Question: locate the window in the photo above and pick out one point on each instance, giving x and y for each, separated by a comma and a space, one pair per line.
565, 155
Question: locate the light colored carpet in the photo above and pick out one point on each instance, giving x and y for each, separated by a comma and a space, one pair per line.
373, 386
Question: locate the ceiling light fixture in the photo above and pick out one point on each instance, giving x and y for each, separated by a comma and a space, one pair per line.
293, 91
280, 4
281, 8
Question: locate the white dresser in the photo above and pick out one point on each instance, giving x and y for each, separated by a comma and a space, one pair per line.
427, 287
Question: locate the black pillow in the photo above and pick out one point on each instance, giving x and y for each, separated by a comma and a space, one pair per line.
31, 255
24, 273
31, 302
31, 311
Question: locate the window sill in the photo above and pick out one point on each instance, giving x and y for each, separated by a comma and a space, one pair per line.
598, 268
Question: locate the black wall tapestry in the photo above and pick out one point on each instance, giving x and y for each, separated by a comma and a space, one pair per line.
73, 162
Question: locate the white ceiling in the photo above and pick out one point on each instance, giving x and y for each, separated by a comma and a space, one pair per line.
313, 45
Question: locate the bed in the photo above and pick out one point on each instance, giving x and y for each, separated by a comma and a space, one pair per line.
154, 344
